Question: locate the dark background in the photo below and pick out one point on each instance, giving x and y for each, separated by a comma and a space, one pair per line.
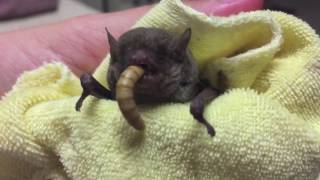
22, 15
308, 10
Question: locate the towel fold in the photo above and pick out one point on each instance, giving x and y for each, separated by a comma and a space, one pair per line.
267, 123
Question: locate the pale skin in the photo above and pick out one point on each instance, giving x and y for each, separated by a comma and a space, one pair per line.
81, 42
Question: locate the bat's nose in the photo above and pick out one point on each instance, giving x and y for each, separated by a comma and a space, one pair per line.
140, 57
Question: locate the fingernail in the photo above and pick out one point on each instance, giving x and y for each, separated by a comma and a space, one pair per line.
229, 7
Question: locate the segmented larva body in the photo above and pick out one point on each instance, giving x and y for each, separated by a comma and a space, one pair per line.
125, 96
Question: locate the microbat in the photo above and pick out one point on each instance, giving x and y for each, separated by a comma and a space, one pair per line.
151, 65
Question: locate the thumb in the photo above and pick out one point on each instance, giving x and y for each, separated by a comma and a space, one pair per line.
226, 7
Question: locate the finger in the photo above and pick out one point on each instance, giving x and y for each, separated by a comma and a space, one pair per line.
228, 7
80, 43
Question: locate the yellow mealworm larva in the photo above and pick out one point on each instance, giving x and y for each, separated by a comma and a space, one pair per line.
124, 96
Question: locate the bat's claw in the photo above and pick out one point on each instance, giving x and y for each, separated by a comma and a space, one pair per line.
81, 99
210, 129
78, 105
91, 86
197, 113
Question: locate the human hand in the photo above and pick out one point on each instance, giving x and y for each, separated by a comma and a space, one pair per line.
81, 42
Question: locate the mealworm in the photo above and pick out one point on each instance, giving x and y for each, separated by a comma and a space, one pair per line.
125, 96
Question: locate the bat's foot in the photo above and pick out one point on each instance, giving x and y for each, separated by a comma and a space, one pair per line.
197, 107
92, 87
197, 113
81, 99
210, 129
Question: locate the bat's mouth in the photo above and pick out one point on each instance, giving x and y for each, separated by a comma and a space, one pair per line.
147, 65
149, 72
146, 61
150, 80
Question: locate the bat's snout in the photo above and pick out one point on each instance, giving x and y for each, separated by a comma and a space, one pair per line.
142, 59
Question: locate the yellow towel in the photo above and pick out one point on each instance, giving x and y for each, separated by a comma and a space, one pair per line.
267, 124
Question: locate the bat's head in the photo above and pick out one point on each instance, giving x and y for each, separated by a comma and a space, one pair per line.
170, 72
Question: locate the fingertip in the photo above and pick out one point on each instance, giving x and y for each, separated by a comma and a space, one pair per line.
230, 7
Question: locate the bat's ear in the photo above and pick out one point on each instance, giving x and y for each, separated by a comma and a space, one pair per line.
113, 44
183, 41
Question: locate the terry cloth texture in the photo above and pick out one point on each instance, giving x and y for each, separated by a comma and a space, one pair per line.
267, 124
